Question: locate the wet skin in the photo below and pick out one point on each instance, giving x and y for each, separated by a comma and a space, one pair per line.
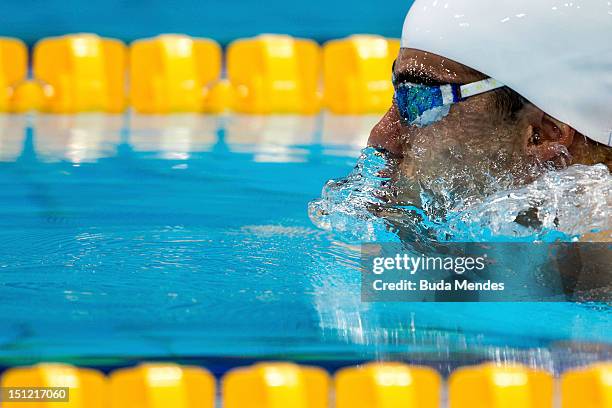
474, 148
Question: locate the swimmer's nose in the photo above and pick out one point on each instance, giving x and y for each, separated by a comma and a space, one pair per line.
388, 134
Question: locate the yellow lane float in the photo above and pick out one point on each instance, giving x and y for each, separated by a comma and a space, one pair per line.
357, 74
276, 385
388, 385
81, 73
500, 386
85, 388
13, 69
173, 73
162, 386
275, 74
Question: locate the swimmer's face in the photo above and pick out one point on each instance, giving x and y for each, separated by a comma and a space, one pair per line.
473, 150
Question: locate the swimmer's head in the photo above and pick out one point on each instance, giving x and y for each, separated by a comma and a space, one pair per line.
555, 110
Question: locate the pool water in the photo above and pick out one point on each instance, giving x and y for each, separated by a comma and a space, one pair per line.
188, 236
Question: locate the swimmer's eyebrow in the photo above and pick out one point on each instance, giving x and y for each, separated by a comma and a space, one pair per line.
421, 78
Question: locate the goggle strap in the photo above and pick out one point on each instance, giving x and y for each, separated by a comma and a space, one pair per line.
450, 94
480, 87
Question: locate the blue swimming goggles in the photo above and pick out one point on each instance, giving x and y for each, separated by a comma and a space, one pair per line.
422, 105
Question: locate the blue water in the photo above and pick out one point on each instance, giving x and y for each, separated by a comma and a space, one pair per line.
188, 236
223, 21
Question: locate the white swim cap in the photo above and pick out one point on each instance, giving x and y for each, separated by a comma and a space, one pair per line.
555, 53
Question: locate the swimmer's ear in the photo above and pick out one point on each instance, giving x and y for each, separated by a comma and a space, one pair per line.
547, 138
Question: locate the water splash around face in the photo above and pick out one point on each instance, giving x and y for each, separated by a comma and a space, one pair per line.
559, 205
345, 206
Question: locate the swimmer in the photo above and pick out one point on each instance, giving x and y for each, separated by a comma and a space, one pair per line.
488, 95
498, 92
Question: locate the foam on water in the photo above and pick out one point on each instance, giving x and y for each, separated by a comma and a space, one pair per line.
559, 205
